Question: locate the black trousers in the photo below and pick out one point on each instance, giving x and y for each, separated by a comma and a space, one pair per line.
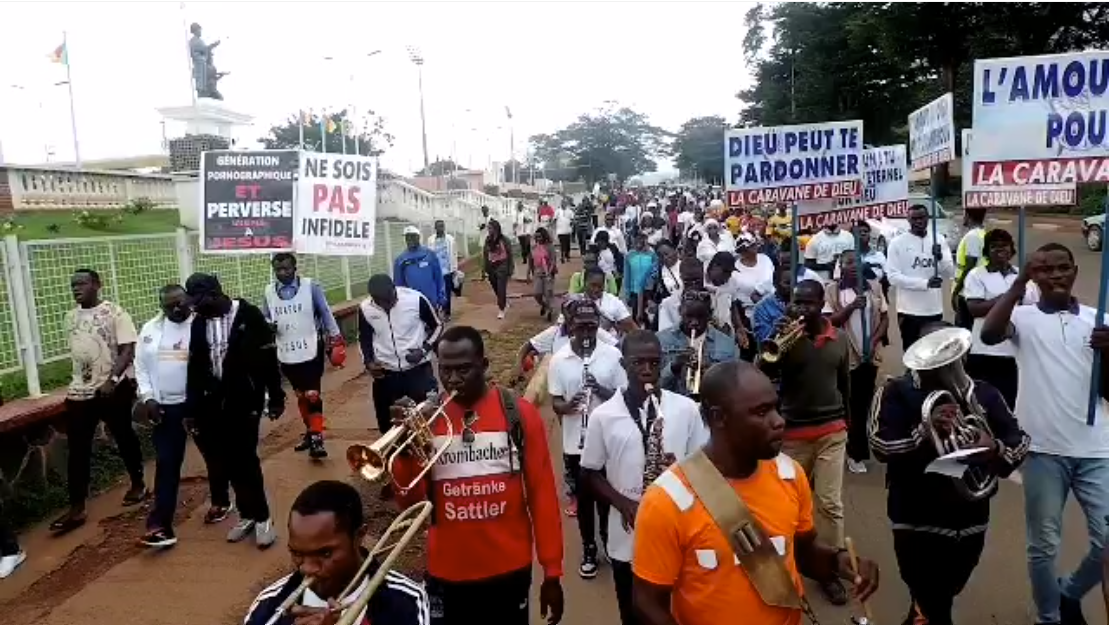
590, 511
414, 384
170, 439
9, 546
911, 326
208, 434
999, 371
233, 439
583, 241
525, 247
622, 578
448, 289
499, 282
81, 420
862, 392
935, 568
502, 600
564, 246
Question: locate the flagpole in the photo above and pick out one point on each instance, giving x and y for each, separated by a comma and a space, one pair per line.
344, 131
323, 133
300, 128
72, 109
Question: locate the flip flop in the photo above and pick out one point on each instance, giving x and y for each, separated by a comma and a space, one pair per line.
67, 524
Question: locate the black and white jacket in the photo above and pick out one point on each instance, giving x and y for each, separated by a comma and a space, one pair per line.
398, 601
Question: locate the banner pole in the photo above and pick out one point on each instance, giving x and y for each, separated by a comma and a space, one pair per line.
932, 210
795, 249
1095, 373
861, 288
1020, 237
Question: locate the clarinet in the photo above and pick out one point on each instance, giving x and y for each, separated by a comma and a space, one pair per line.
586, 402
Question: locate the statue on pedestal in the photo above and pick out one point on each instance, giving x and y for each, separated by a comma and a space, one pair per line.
205, 75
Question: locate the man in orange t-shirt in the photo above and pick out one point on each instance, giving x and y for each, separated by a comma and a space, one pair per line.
686, 572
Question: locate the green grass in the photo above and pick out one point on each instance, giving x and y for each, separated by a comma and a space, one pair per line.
61, 224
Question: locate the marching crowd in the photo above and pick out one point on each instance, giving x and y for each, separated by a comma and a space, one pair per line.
714, 374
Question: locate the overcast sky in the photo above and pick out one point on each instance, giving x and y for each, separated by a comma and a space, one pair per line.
547, 61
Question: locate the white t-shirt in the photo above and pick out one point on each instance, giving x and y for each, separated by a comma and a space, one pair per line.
855, 321
685, 221
1054, 360
613, 310
553, 339
671, 278
607, 262
825, 247
613, 442
566, 377
986, 285
173, 361
523, 223
564, 221
669, 312
706, 249
910, 265
751, 279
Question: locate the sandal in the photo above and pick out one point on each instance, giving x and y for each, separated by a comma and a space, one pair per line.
67, 523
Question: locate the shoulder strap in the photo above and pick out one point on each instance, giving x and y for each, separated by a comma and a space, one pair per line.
514, 423
764, 566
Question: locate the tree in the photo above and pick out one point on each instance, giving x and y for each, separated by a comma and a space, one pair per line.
610, 140
698, 148
440, 167
372, 138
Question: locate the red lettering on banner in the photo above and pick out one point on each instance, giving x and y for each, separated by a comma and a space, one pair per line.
248, 243
792, 195
248, 191
339, 199
842, 216
1040, 172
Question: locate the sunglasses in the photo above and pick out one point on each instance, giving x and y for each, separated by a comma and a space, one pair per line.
469, 418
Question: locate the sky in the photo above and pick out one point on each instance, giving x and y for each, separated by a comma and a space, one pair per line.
549, 62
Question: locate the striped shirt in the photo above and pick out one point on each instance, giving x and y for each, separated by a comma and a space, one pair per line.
398, 601
218, 331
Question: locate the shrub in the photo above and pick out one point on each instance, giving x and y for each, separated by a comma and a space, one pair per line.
91, 220
10, 226
138, 206
492, 189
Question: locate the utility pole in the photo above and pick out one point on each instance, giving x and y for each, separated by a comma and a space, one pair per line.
512, 145
418, 59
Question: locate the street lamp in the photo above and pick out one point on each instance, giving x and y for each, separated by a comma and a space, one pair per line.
351, 104
418, 59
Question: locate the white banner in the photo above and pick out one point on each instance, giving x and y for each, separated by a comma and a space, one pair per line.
932, 133
336, 205
1042, 107
885, 193
1014, 191
793, 163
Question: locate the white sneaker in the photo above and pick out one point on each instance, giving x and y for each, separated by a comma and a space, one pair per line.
856, 466
241, 530
500, 314
264, 534
8, 564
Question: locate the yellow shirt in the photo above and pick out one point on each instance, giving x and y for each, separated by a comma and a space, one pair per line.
779, 227
735, 224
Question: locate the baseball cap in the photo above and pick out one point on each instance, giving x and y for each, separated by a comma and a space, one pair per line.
411, 230
201, 284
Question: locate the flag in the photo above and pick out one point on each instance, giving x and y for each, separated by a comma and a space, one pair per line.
306, 118
60, 55
331, 125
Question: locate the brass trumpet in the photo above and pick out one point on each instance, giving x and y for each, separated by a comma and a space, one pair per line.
694, 368
374, 462
772, 349
411, 521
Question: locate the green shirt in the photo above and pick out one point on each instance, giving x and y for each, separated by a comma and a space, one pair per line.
577, 284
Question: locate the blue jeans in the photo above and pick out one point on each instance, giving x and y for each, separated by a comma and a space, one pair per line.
169, 438
1047, 482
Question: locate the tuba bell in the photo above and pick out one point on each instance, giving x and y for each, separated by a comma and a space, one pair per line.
941, 353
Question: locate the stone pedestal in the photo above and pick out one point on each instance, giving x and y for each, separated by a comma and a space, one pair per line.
207, 117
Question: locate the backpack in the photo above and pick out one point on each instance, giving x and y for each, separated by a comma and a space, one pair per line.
514, 425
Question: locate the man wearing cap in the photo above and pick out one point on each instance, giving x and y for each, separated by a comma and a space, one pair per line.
233, 377
418, 268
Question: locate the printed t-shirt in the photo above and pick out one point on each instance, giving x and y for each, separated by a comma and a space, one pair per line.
95, 335
677, 544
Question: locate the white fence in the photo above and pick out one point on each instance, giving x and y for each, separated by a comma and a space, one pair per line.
35, 275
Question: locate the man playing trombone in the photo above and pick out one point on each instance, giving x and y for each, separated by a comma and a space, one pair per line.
810, 358
939, 523
692, 346
326, 530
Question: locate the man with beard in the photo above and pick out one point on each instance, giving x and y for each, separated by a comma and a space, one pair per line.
298, 310
630, 440
233, 377
494, 496
683, 564
916, 268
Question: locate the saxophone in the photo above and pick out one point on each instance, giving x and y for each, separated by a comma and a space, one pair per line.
656, 461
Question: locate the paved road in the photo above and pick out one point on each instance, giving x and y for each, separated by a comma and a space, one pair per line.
97, 575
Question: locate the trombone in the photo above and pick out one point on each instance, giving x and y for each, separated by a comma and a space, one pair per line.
772, 349
414, 435
411, 521
693, 369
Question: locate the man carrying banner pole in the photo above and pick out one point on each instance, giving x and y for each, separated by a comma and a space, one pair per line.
298, 310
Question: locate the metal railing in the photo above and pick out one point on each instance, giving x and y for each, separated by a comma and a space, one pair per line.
35, 295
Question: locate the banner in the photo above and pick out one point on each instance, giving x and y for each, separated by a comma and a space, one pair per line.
336, 204
980, 192
932, 133
793, 163
1037, 108
885, 193
247, 199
